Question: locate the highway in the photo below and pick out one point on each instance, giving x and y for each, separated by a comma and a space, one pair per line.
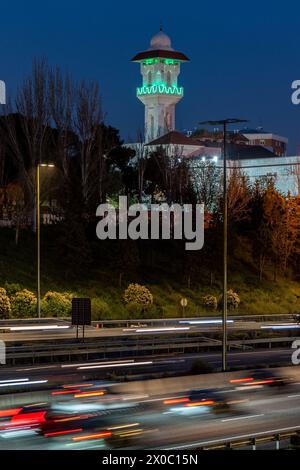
165, 420
57, 330
176, 365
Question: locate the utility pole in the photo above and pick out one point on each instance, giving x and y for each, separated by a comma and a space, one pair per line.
224, 123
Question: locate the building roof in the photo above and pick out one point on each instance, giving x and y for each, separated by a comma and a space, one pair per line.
164, 54
246, 152
174, 138
160, 46
161, 41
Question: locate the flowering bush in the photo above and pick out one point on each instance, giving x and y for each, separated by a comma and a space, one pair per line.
138, 294
23, 304
57, 304
210, 302
5, 307
233, 300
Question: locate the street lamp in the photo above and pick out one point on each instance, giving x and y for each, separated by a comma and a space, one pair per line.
38, 232
224, 123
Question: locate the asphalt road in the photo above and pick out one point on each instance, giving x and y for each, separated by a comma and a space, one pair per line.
179, 364
251, 413
66, 331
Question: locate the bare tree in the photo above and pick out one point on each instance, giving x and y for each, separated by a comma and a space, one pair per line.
87, 119
238, 196
26, 131
206, 180
61, 101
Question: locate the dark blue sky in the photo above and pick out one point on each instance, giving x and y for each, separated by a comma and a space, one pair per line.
244, 55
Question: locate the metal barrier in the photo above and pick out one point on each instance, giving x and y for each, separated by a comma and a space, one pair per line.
128, 347
254, 441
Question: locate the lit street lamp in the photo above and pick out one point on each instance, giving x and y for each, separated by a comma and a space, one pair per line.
224, 123
38, 232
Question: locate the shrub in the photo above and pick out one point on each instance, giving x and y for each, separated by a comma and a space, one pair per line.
134, 310
5, 307
23, 304
12, 288
100, 309
57, 304
138, 294
210, 302
233, 300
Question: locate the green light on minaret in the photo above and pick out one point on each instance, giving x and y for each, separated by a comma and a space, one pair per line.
161, 61
162, 89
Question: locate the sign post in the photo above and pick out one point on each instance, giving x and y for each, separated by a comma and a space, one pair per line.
183, 303
81, 313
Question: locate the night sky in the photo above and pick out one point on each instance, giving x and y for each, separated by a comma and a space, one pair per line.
244, 55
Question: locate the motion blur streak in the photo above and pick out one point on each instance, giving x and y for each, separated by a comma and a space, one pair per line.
77, 386
91, 436
13, 380
201, 403
118, 365
97, 363
11, 412
204, 322
247, 379
88, 394
161, 330
61, 433
175, 400
32, 382
45, 327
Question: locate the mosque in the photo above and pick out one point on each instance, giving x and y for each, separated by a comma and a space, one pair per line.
255, 151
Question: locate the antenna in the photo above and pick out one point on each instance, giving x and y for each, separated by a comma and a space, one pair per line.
161, 25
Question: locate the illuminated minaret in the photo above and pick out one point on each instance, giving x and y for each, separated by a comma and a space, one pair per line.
160, 67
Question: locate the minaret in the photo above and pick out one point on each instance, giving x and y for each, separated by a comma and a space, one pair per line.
160, 67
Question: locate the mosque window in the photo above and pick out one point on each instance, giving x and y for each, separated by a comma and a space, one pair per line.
169, 78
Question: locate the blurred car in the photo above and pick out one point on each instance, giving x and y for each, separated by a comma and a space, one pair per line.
199, 401
261, 379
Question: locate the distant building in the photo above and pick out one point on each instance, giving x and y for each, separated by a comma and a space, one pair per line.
256, 151
271, 141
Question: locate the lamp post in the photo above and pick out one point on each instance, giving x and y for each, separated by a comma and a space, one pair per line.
224, 123
38, 232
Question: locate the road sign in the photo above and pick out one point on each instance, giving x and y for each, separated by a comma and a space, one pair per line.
81, 311
183, 302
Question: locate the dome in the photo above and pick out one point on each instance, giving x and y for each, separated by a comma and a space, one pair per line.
161, 41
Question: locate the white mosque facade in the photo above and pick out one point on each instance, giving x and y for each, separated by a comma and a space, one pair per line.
160, 91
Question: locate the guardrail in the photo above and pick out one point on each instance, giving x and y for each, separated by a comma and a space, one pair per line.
127, 347
291, 437
153, 321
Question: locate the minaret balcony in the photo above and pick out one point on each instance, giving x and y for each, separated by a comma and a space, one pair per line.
160, 89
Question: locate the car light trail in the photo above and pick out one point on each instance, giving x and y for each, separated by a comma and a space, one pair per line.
97, 363
91, 436
160, 330
15, 384
204, 322
62, 433
289, 326
37, 328
241, 417
13, 380
132, 364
